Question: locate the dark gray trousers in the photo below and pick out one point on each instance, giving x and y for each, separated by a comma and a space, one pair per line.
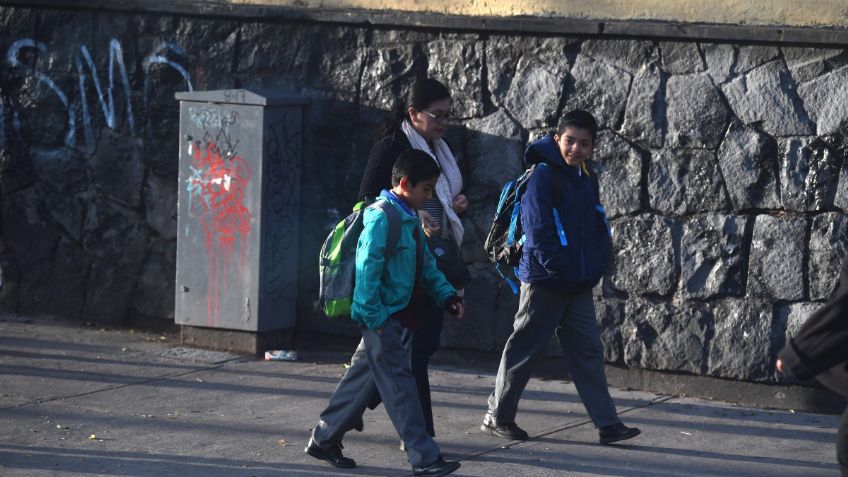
381, 362
541, 313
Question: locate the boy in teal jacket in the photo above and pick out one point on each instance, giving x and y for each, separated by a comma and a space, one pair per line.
383, 303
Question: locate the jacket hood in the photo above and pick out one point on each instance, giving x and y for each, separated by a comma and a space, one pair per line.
543, 150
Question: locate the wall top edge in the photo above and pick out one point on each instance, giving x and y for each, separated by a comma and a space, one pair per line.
284, 10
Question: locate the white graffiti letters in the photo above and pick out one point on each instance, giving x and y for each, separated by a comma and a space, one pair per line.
86, 69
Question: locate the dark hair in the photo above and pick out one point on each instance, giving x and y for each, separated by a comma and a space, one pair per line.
416, 166
579, 119
424, 92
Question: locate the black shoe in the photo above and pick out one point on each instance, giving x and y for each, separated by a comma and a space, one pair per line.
617, 432
506, 430
436, 469
333, 455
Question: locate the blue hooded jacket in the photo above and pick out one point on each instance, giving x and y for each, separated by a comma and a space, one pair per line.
567, 244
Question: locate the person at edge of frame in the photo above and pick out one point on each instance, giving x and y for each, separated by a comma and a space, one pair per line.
421, 125
820, 350
564, 255
384, 304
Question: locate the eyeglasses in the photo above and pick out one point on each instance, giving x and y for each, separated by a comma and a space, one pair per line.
441, 117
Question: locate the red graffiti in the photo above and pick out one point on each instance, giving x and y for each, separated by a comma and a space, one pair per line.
216, 197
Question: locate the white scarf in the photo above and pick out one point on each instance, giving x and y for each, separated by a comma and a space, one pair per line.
450, 180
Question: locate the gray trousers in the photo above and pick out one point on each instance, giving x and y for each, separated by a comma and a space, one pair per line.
381, 362
541, 313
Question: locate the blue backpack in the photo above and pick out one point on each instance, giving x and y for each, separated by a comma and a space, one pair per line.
506, 237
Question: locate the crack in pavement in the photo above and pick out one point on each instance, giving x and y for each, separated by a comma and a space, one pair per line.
120, 386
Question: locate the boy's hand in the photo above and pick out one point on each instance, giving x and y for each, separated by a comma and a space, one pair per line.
779, 366
460, 203
431, 228
455, 306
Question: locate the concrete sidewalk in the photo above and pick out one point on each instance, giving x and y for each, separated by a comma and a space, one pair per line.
79, 400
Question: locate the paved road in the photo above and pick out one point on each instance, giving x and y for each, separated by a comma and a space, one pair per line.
78, 400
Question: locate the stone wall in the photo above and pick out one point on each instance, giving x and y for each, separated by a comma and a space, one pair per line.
721, 165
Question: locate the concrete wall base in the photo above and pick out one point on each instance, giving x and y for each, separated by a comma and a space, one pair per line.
235, 341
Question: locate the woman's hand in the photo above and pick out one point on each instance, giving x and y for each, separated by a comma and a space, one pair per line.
431, 228
779, 366
460, 203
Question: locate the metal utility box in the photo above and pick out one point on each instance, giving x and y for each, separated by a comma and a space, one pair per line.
238, 211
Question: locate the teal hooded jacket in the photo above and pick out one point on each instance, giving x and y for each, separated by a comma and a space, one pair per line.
383, 285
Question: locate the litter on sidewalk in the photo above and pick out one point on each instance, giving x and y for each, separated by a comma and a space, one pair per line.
281, 355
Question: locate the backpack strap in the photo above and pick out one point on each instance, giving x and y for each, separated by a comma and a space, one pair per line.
557, 197
393, 216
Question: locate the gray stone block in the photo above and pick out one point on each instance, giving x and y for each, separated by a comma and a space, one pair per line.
535, 92
611, 313
503, 53
212, 44
109, 293
628, 55
495, 150
742, 344
826, 99
680, 58
775, 269
155, 294
56, 286
459, 65
666, 337
828, 248
115, 234
712, 256
697, 115
599, 88
335, 57
747, 159
117, 168
64, 171
796, 314
766, 96
644, 255
645, 113
62, 187
160, 203
752, 56
808, 63
809, 173
388, 76
684, 181
32, 239
267, 47
841, 198
619, 169
720, 58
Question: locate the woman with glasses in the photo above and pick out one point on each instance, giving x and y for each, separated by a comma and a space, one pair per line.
422, 125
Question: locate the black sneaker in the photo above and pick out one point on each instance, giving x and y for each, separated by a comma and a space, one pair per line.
509, 431
617, 432
436, 469
333, 455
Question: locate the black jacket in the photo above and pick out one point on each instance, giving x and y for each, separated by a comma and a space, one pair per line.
378, 171
820, 349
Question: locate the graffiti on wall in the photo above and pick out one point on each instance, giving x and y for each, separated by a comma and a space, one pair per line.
282, 143
215, 192
105, 91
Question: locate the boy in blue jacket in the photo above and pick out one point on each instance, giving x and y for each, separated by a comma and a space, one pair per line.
383, 304
565, 254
